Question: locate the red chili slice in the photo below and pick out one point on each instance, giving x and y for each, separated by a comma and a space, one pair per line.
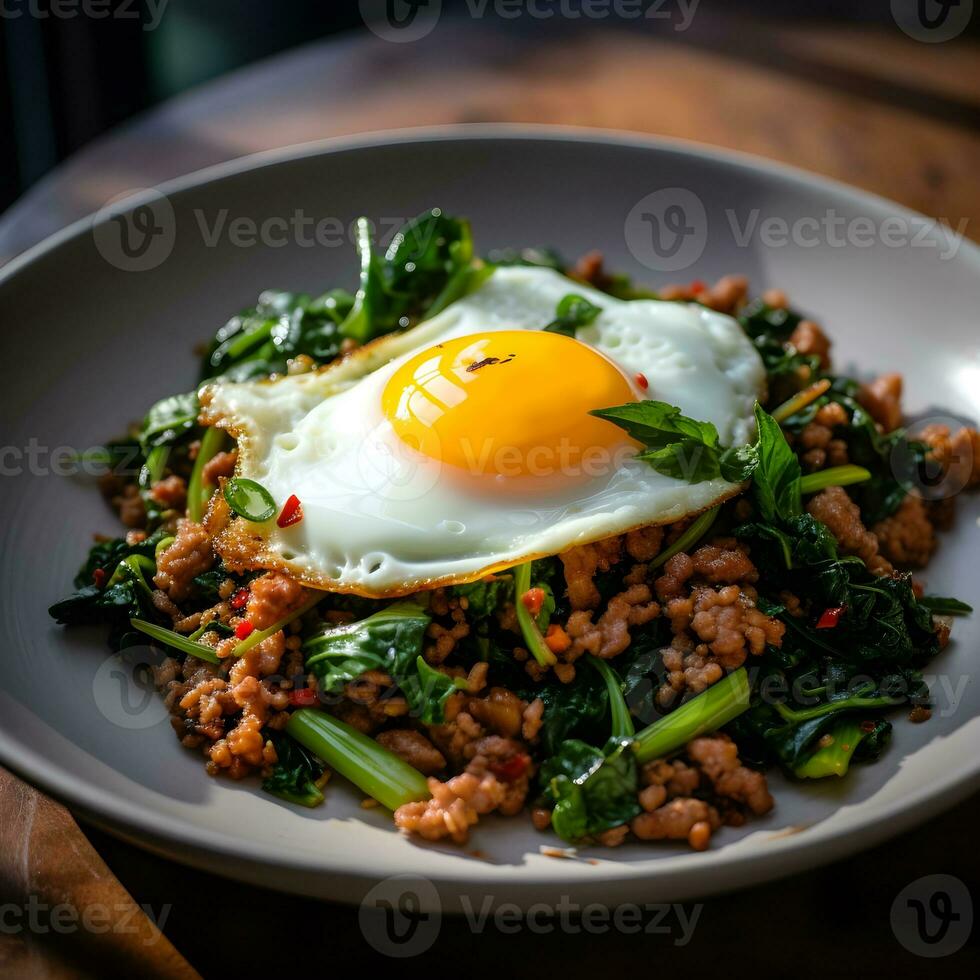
98, 577
533, 600
829, 618
240, 599
512, 769
292, 512
697, 286
244, 630
641, 380
303, 697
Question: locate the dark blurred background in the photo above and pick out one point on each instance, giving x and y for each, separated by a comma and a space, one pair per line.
73, 68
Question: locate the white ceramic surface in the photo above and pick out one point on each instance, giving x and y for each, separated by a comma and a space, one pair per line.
88, 346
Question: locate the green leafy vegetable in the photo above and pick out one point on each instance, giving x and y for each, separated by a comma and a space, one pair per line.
429, 263
573, 311
591, 789
389, 641
168, 420
297, 773
945, 606
620, 721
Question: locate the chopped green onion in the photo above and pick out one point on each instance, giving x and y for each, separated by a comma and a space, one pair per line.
707, 712
249, 499
175, 640
257, 636
698, 529
529, 628
197, 494
373, 769
836, 476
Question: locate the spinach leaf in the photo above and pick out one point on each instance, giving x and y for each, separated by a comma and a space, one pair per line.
429, 263
282, 325
770, 328
390, 641
592, 790
295, 775
573, 311
168, 420
945, 606
577, 710
776, 479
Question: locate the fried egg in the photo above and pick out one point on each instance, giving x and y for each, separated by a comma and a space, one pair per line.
465, 445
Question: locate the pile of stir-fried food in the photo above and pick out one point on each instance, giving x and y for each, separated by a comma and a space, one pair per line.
637, 686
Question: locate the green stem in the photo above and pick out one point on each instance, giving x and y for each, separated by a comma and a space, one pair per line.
175, 640
833, 758
621, 723
836, 476
698, 529
357, 757
707, 712
844, 704
800, 400
529, 628
257, 636
197, 495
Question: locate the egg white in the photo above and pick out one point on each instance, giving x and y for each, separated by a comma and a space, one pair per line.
381, 520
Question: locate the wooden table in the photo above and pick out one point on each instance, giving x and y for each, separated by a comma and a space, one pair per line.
867, 106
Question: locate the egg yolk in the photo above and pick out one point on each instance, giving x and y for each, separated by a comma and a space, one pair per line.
513, 403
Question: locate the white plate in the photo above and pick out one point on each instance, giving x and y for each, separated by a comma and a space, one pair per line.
90, 341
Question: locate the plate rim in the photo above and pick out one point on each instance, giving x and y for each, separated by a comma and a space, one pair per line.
139, 821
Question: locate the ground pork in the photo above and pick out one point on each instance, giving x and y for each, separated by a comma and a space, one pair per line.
170, 492
223, 464
501, 711
644, 543
842, 517
724, 560
610, 635
189, 555
727, 295
414, 748
717, 757
681, 819
907, 538
883, 400
445, 637
809, 340
271, 597
581, 565
959, 457
455, 806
